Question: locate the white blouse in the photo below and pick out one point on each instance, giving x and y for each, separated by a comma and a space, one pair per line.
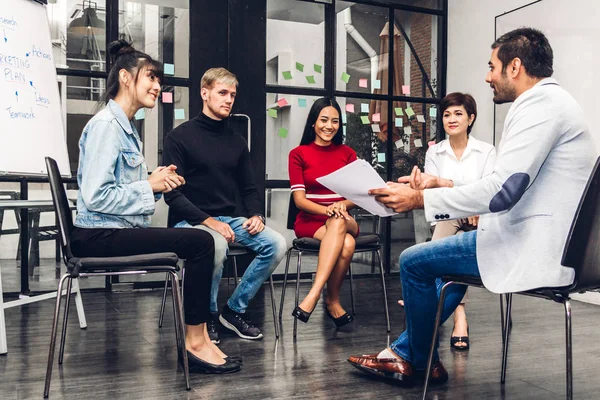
477, 161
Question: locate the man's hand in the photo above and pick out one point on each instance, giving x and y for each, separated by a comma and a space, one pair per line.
165, 179
221, 227
399, 197
420, 181
473, 221
254, 225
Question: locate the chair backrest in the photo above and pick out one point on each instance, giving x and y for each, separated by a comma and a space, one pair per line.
61, 207
292, 212
582, 251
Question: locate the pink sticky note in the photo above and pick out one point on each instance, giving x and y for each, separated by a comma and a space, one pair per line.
282, 102
350, 107
376, 117
362, 82
167, 97
405, 89
431, 143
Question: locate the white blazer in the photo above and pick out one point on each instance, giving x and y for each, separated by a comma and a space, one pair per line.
544, 160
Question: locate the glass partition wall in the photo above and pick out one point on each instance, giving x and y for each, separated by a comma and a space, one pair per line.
388, 91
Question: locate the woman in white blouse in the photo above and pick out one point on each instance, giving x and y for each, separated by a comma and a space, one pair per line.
463, 159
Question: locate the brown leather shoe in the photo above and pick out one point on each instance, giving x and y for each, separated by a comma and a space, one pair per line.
391, 368
438, 376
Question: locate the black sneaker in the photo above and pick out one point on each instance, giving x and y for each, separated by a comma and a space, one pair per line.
240, 324
213, 334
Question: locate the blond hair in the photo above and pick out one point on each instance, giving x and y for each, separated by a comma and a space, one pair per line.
218, 75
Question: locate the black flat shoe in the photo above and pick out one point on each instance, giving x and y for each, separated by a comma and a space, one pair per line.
197, 365
340, 321
301, 314
235, 359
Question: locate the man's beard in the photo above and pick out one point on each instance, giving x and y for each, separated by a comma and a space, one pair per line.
504, 93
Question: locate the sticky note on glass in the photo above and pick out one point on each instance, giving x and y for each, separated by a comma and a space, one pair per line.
418, 143
405, 89
282, 133
433, 112
431, 143
375, 128
179, 113
399, 122
272, 113
409, 112
282, 102
350, 107
168, 69
376, 117
362, 82
399, 111
365, 120
344, 118
167, 97
318, 68
310, 79
407, 130
399, 143
420, 118
301, 102
380, 157
287, 75
364, 107
376, 84
344, 130
407, 146
345, 77
140, 114
300, 67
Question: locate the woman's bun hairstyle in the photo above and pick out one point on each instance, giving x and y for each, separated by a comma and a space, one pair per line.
119, 48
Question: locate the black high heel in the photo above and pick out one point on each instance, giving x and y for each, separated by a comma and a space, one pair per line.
340, 321
302, 315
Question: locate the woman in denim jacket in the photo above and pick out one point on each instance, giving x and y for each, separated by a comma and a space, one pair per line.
116, 198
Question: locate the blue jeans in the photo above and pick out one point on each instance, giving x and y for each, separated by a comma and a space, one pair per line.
270, 248
421, 268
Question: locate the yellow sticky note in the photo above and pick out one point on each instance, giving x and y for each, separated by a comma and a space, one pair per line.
399, 111
272, 113
409, 112
282, 133
365, 119
345, 77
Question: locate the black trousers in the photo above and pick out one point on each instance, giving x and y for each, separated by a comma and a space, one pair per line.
194, 245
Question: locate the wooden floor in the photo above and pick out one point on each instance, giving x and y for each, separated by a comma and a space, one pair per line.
123, 355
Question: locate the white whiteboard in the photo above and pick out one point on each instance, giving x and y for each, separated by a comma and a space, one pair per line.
573, 32
31, 125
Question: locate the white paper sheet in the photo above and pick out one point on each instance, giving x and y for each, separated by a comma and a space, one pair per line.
354, 182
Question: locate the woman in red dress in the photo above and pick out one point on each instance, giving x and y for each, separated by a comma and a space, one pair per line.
323, 214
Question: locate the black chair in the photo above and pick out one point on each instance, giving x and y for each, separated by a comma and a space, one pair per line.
580, 253
364, 243
102, 266
235, 250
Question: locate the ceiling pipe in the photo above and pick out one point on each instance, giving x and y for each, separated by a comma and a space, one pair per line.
362, 43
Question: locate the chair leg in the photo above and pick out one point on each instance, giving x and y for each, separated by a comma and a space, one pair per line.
297, 291
63, 336
274, 306
438, 319
569, 347
164, 302
384, 289
180, 327
79, 304
502, 318
507, 336
235, 274
53, 335
351, 288
287, 267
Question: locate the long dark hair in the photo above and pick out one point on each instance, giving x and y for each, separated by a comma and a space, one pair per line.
309, 134
124, 56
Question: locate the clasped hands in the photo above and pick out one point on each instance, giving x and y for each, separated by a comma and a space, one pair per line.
407, 194
338, 210
165, 179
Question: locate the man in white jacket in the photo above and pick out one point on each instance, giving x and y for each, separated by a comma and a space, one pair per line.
526, 205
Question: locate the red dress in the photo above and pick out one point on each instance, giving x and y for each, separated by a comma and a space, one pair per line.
306, 164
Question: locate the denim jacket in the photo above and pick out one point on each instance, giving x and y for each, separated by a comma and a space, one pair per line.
114, 191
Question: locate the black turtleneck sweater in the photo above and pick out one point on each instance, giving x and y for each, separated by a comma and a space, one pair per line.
215, 163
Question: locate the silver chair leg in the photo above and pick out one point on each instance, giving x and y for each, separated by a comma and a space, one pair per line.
507, 336
351, 288
297, 291
235, 274
502, 318
164, 301
53, 335
180, 327
287, 267
438, 319
569, 347
273, 306
61, 351
385, 299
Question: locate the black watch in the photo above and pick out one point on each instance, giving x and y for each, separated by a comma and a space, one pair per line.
262, 218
